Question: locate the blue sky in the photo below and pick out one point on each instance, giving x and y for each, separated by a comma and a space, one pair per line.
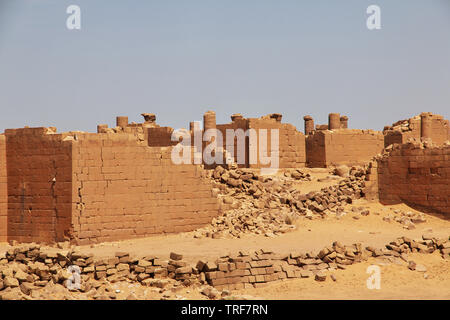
179, 58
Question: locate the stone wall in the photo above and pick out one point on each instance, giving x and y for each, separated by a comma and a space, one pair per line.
92, 187
416, 174
433, 126
39, 170
3, 190
291, 148
342, 146
125, 189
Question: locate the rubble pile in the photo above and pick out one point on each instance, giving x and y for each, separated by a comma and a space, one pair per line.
29, 272
402, 125
25, 269
246, 270
407, 219
270, 205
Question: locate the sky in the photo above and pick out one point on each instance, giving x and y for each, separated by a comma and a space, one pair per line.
179, 59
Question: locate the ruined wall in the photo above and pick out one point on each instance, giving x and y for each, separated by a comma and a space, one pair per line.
403, 130
236, 124
125, 189
417, 176
97, 187
291, 143
342, 146
160, 137
292, 150
3, 191
39, 185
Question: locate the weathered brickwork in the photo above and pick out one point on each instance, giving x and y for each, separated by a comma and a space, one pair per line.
93, 187
342, 146
39, 184
417, 176
425, 125
291, 143
3, 190
125, 189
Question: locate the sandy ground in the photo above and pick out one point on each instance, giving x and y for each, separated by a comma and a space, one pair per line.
310, 235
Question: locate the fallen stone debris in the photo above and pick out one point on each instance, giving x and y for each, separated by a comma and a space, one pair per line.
407, 219
33, 272
270, 205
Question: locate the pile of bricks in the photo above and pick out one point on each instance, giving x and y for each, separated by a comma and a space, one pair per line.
407, 219
263, 189
241, 271
27, 268
246, 270
269, 205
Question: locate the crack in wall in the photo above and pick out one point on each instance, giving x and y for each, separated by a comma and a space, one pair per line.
55, 217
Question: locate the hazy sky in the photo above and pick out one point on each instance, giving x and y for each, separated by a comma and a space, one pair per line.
180, 58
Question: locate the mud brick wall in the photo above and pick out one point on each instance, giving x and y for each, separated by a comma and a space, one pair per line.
440, 129
125, 189
160, 137
291, 148
292, 151
342, 146
39, 185
416, 176
233, 145
3, 191
404, 130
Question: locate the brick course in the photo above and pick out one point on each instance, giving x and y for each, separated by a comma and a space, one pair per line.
292, 151
93, 187
342, 146
416, 176
125, 189
39, 184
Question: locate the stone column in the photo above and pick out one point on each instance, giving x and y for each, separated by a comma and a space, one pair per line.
209, 120
122, 121
309, 124
344, 122
425, 125
334, 121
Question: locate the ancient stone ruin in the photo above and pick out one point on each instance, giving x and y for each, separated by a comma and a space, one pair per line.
120, 183
336, 144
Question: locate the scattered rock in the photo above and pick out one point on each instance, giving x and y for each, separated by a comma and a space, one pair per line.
320, 276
